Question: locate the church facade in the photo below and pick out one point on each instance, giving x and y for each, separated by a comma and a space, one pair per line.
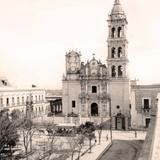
93, 89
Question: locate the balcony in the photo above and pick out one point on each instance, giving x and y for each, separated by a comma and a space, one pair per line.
146, 111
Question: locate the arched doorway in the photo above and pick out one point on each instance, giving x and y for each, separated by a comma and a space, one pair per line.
120, 121
94, 109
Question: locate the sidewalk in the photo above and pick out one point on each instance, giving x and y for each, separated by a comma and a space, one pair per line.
97, 151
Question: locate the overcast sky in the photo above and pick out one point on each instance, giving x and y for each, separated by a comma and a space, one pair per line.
35, 35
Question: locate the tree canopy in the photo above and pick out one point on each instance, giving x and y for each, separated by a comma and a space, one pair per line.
8, 133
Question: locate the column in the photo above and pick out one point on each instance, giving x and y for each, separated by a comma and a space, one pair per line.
126, 123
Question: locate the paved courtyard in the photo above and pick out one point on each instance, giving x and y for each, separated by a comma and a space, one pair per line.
40, 141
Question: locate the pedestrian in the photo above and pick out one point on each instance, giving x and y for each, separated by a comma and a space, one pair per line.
135, 134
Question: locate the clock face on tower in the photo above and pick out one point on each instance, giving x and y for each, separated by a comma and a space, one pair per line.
72, 62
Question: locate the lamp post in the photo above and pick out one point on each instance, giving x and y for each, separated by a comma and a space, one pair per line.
110, 115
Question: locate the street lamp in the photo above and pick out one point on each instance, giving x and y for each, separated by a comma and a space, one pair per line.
110, 115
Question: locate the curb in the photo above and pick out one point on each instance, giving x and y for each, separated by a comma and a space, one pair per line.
106, 149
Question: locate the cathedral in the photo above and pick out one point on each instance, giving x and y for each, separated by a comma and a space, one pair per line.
91, 89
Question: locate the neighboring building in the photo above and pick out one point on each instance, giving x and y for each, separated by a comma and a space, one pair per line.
143, 103
54, 98
89, 89
13, 98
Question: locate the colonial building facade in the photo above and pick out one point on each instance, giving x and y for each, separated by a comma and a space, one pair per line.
144, 99
12, 98
91, 89
94, 89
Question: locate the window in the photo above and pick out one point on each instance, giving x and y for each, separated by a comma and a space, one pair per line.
94, 89
39, 98
119, 52
17, 100
1, 101
36, 98
22, 100
7, 101
113, 71
119, 32
120, 73
27, 100
73, 104
113, 50
118, 107
113, 33
146, 103
12, 100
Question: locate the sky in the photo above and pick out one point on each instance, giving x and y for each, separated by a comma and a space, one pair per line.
36, 34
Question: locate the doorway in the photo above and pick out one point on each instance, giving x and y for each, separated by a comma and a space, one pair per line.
94, 109
120, 121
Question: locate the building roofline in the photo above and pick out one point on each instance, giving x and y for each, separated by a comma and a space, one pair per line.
151, 86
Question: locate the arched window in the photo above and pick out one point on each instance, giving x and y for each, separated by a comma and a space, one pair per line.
120, 72
113, 32
119, 32
113, 51
113, 71
119, 52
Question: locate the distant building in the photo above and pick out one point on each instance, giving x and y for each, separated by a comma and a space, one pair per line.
12, 98
54, 98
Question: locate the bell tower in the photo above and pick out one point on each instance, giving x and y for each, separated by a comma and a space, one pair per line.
117, 61
117, 43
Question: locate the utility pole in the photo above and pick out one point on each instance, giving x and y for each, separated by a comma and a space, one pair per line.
110, 115
29, 111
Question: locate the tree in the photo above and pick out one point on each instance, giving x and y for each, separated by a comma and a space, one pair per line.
51, 129
76, 143
99, 128
15, 114
8, 135
27, 133
87, 130
80, 144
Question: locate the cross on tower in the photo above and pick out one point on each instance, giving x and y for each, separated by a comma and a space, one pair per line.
93, 55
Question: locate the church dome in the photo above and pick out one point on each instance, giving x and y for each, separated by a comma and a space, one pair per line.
117, 8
